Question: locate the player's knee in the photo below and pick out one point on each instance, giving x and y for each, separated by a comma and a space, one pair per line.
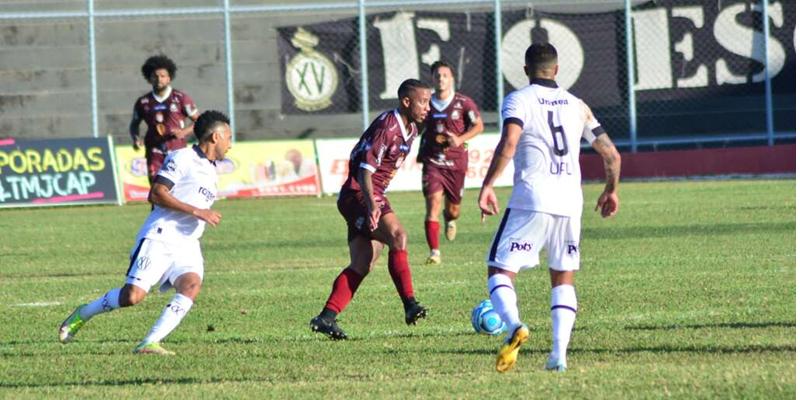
131, 295
452, 212
399, 239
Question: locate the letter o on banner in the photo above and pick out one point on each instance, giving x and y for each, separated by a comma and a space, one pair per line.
516, 41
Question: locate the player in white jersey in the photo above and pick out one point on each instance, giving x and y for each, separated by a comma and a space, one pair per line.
542, 128
167, 250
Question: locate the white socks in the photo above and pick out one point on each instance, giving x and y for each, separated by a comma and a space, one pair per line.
504, 300
172, 315
563, 308
105, 303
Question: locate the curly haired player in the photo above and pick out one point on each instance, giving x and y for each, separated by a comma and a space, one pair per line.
165, 111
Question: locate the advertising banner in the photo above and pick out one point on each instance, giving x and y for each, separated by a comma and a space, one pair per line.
693, 59
250, 169
56, 171
334, 156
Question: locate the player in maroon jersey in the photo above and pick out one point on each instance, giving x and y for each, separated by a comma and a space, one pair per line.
165, 111
371, 223
454, 119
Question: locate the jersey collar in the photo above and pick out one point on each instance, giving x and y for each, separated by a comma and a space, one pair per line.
440, 105
399, 119
544, 82
166, 96
202, 155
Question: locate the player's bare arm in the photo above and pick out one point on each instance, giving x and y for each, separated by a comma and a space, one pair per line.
161, 196
365, 181
474, 130
608, 202
133, 129
188, 130
503, 153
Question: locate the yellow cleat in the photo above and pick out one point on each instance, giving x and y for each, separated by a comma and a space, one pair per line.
507, 356
434, 259
450, 231
152, 348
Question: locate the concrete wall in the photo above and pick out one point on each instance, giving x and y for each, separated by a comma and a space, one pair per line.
44, 73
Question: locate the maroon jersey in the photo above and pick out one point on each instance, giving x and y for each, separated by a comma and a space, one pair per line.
456, 116
163, 117
382, 149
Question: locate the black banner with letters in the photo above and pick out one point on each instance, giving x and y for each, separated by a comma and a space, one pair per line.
56, 171
699, 65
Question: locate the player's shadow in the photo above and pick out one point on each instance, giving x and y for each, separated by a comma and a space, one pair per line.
716, 349
661, 231
731, 325
124, 382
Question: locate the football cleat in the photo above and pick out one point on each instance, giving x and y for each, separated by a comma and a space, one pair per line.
71, 325
152, 348
328, 327
450, 231
556, 365
414, 313
507, 356
434, 259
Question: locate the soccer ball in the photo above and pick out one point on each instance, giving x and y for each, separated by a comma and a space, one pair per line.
486, 321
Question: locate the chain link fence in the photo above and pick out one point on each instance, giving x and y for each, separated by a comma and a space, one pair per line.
300, 70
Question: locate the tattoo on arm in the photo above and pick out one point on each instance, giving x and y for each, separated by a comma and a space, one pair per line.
611, 161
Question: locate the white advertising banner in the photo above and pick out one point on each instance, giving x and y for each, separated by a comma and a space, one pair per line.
334, 156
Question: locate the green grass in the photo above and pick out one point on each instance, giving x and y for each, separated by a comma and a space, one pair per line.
688, 292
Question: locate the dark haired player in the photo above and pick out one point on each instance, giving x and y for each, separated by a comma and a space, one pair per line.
371, 222
167, 251
543, 125
165, 111
454, 119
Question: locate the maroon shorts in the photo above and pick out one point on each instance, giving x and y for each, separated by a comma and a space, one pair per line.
354, 210
447, 180
155, 158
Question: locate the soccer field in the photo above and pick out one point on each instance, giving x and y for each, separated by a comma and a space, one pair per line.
688, 292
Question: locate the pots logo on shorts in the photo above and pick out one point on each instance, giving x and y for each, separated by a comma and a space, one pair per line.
520, 246
311, 77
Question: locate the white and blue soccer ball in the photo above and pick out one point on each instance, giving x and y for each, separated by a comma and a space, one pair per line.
486, 321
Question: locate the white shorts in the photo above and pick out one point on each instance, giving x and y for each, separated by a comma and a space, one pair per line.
156, 262
522, 235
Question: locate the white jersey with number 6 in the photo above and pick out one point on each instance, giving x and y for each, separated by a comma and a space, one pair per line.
547, 176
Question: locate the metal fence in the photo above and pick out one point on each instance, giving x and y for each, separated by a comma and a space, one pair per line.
661, 75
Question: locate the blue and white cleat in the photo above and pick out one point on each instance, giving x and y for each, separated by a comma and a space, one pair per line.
555, 365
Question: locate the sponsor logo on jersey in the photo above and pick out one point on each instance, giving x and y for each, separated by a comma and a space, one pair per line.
170, 165
160, 107
209, 195
439, 115
310, 77
559, 102
404, 148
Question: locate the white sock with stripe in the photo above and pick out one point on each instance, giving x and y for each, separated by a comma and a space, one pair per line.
172, 315
563, 310
504, 300
105, 303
